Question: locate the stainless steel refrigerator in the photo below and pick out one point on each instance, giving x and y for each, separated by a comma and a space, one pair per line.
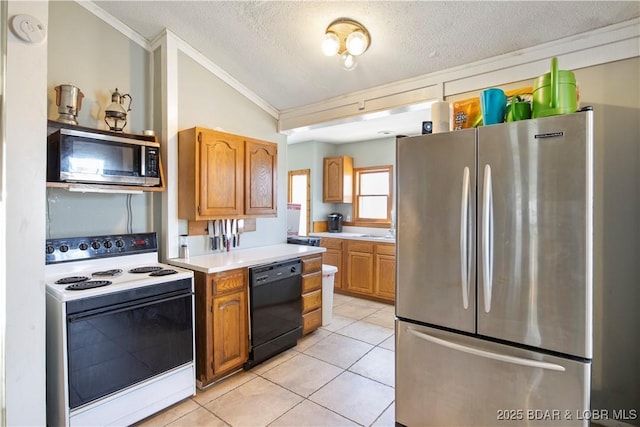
495, 276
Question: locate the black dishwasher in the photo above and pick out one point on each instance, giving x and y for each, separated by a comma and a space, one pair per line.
275, 308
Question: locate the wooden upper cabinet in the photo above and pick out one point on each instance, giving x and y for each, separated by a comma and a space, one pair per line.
261, 159
222, 175
337, 185
221, 168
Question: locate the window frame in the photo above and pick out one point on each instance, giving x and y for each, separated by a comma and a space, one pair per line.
307, 173
371, 222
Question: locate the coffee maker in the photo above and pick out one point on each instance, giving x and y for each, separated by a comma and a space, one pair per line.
334, 221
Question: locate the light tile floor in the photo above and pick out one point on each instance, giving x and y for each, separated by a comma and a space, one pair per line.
340, 375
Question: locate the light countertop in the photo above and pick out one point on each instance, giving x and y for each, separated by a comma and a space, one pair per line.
371, 237
239, 258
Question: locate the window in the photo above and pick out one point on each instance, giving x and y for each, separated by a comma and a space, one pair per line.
372, 202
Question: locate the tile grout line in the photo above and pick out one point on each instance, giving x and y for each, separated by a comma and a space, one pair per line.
343, 370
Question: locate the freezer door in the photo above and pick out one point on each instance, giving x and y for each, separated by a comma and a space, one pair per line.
535, 233
435, 245
447, 379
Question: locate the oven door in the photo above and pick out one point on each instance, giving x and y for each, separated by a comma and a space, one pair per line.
120, 339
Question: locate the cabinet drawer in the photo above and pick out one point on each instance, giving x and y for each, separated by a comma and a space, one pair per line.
360, 247
386, 249
311, 282
311, 264
331, 243
311, 321
228, 281
311, 301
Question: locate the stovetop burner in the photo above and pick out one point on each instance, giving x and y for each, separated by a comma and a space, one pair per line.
141, 270
108, 273
90, 284
71, 279
163, 272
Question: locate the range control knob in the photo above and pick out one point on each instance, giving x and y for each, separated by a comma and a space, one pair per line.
95, 244
83, 246
119, 243
293, 269
50, 249
64, 248
108, 244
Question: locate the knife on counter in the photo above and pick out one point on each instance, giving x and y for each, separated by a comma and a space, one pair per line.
223, 235
212, 234
216, 243
218, 235
234, 230
228, 227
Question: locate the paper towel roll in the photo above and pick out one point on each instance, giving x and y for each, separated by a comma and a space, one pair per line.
441, 116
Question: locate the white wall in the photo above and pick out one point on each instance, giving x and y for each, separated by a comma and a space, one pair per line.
90, 54
205, 100
377, 152
24, 212
98, 61
310, 155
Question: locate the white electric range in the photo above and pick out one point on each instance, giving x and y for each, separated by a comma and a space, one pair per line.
120, 330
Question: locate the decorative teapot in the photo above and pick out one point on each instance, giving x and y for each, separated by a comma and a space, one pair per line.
115, 115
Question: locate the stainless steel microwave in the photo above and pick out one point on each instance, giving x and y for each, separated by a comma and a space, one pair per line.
102, 158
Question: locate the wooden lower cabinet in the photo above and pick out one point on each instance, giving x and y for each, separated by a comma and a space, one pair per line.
365, 268
384, 263
222, 332
359, 275
333, 256
311, 293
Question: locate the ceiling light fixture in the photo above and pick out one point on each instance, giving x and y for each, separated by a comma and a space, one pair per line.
347, 38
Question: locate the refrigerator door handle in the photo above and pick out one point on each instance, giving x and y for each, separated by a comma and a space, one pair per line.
464, 238
487, 238
486, 354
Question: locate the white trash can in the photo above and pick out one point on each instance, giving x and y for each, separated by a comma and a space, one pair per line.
328, 275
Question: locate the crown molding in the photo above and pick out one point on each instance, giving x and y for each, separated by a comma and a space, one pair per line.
214, 69
115, 23
607, 44
182, 46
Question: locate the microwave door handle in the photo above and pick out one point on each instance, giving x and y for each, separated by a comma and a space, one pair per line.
143, 161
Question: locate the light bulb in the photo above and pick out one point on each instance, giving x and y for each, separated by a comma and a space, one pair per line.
348, 62
357, 43
330, 44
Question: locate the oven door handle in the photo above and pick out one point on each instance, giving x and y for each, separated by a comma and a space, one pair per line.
119, 308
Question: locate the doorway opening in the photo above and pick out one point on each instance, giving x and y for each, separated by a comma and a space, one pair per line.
299, 192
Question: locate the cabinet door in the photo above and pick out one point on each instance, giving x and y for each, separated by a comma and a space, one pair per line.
360, 272
260, 184
230, 333
334, 257
221, 174
385, 276
337, 180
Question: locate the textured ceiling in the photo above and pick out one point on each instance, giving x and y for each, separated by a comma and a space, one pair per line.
273, 47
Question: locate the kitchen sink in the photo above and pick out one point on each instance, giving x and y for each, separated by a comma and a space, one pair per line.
378, 236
